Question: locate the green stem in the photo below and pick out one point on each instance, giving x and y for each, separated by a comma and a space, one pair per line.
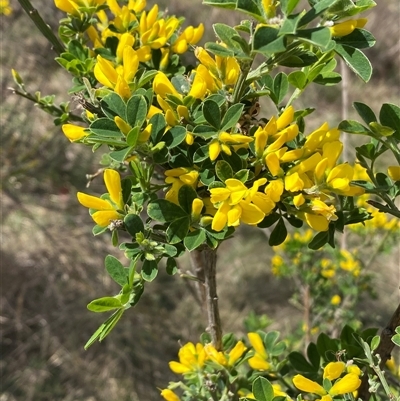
34, 15
50, 109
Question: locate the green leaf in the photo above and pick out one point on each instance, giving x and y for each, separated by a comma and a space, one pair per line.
280, 86
359, 38
104, 304
174, 136
270, 339
133, 136
389, 115
120, 155
327, 347
396, 339
165, 211
194, 239
298, 79
319, 240
178, 229
381, 130
316, 36
353, 127
212, 113
171, 266
313, 355
269, 220
262, 389
242, 175
105, 328
133, 224
205, 131
149, 270
288, 6
158, 127
113, 105
290, 23
225, 33
223, 170
300, 363
231, 4
356, 60
252, 8
219, 50
201, 154
106, 128
116, 271
267, 41
136, 111
186, 196
317, 9
232, 116
365, 112
279, 233
375, 342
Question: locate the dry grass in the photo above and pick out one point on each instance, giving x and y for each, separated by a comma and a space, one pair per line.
51, 266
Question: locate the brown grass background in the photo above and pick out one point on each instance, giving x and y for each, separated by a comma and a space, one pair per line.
51, 266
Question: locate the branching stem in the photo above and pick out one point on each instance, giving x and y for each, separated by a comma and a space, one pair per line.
205, 262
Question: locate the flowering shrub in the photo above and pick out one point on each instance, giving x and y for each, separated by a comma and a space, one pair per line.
189, 157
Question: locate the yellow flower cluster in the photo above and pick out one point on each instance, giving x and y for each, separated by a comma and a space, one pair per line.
5, 7
194, 358
349, 383
139, 33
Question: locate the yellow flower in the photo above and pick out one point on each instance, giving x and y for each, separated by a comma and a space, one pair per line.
235, 353
162, 86
190, 36
347, 27
108, 208
260, 359
234, 205
333, 370
224, 142
394, 173
191, 359
179, 177
347, 384
74, 132
169, 395
5, 7
73, 6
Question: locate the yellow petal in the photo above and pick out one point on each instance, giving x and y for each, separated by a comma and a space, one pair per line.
257, 344
112, 180
304, 384
105, 72
104, 217
169, 395
74, 132
199, 87
93, 202
316, 222
349, 383
221, 217
258, 363
236, 352
214, 149
179, 368
285, 118
334, 369
394, 173
162, 86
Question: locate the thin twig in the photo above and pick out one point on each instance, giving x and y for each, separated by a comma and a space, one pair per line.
34, 15
384, 350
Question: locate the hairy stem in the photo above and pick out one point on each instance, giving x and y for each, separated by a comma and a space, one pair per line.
34, 15
384, 349
204, 262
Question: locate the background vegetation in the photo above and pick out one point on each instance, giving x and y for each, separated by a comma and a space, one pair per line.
46, 241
